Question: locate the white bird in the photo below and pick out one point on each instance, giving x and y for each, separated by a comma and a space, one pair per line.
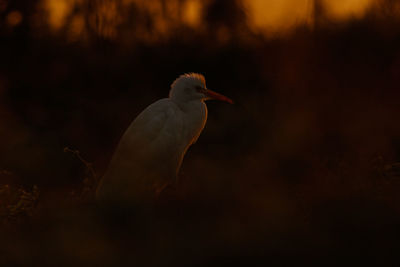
150, 153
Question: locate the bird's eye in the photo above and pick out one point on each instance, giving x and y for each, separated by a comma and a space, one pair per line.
199, 89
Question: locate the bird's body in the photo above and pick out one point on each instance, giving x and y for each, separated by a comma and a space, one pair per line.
150, 152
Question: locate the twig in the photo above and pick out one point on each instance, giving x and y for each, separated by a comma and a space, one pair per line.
88, 165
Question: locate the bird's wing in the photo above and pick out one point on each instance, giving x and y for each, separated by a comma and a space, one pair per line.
148, 154
151, 142
159, 126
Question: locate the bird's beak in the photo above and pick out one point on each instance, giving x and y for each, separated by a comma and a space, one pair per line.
214, 95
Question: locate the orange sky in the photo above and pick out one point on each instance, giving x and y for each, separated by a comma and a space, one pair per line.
278, 15
265, 15
344, 8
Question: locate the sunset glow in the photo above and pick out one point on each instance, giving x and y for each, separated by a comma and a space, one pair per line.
269, 16
57, 11
192, 13
14, 18
278, 15
347, 8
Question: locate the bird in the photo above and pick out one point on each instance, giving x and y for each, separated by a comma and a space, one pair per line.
150, 152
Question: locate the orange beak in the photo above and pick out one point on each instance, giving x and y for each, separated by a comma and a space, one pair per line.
214, 95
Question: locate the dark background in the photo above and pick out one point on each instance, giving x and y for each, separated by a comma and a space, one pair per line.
301, 169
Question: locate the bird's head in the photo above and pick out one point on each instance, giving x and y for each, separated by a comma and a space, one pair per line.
192, 86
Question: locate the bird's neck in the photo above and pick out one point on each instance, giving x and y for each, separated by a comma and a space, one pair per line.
186, 106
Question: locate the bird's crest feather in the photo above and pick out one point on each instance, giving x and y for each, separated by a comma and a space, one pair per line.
191, 75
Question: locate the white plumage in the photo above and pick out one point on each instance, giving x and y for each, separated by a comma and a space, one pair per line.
150, 152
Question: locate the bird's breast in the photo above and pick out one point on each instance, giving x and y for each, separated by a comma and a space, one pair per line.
195, 119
